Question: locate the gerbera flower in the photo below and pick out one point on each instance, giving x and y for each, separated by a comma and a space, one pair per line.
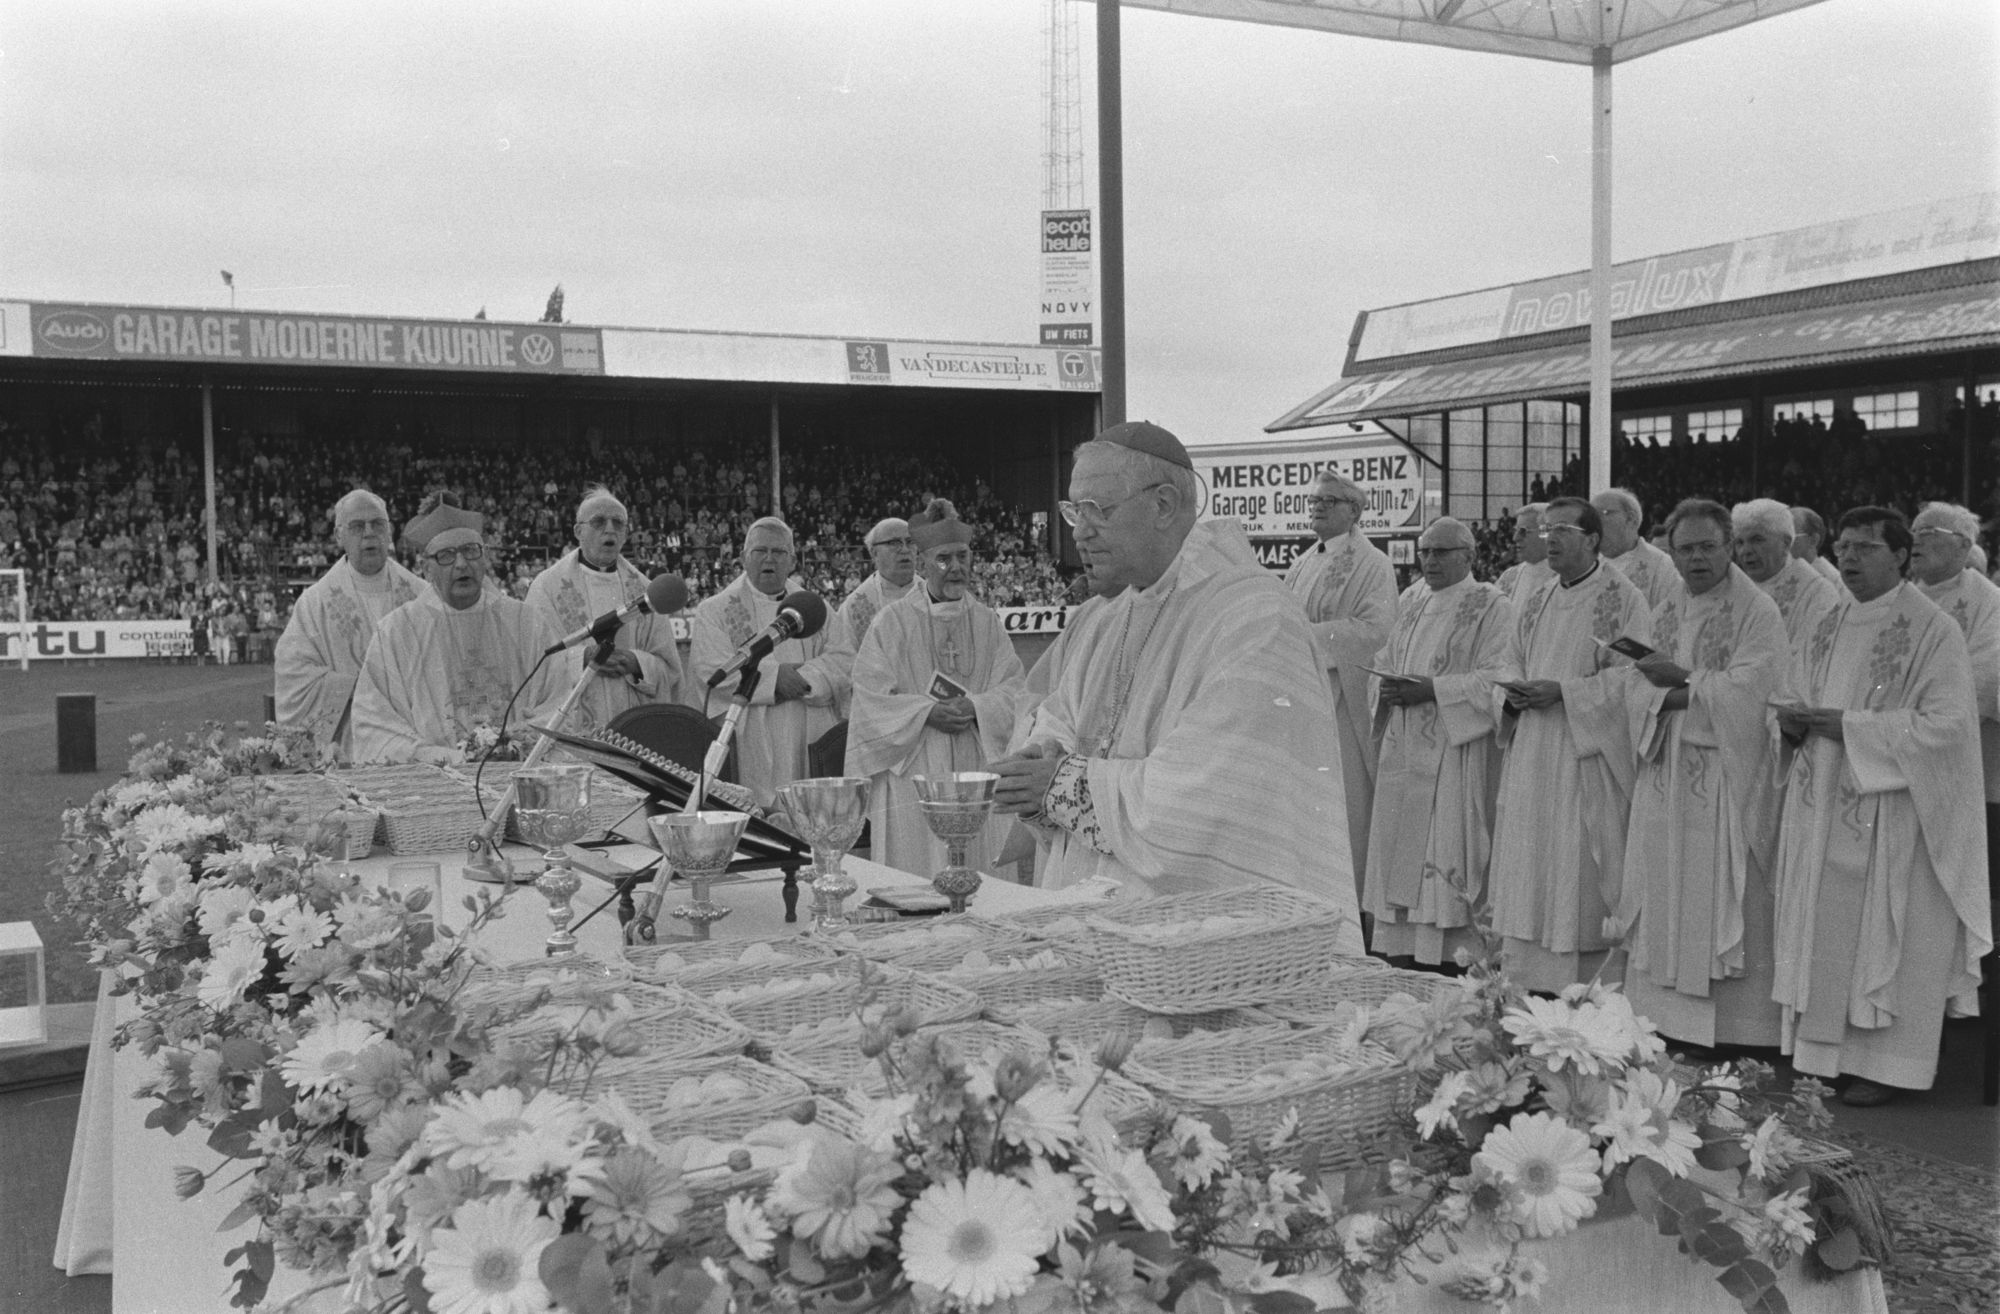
163, 874
1058, 1200
234, 969
377, 1080
1040, 1121
1198, 1155
636, 1200
326, 1054
1771, 1148
1552, 1166
222, 906
300, 929
1558, 1034
748, 1227
487, 1261
1121, 1179
1641, 1123
478, 1131
840, 1197
973, 1239
435, 1196
1492, 1086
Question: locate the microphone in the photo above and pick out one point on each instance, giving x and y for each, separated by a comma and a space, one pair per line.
800, 616
667, 593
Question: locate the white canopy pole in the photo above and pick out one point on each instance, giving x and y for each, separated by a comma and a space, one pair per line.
1600, 270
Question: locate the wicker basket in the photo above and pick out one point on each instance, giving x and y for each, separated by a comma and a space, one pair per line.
778, 1006
1006, 993
1084, 1026
1333, 999
548, 1018
425, 809
683, 961
1055, 921
1350, 1112
500, 983
359, 823
945, 938
1266, 943
756, 1093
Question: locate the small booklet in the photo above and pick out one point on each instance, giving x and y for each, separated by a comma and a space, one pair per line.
1387, 675
1626, 646
944, 688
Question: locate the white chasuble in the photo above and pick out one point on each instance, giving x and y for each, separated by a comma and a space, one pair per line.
1650, 569
1803, 596
572, 595
1704, 829
1348, 590
888, 740
318, 657
848, 627
1973, 601
771, 737
1192, 719
1565, 783
1437, 768
1883, 910
435, 672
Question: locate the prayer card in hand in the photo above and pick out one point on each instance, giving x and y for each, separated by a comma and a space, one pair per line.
1625, 646
944, 688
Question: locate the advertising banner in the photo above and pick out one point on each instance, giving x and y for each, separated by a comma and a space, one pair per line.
73, 640
142, 333
1034, 620
1265, 485
971, 366
1069, 280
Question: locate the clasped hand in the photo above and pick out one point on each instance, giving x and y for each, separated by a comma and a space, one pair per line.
622, 664
1536, 694
1408, 690
1024, 779
951, 715
1795, 723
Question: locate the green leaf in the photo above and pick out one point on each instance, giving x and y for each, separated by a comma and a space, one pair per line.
574, 1270
1720, 1151
416, 1292
231, 1138
1719, 1244
241, 1214
684, 1288
1202, 1300
1643, 1180
1156, 1248
805, 1268
1841, 1251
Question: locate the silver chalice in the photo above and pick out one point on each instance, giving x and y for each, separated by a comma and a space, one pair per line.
956, 805
552, 805
699, 845
828, 813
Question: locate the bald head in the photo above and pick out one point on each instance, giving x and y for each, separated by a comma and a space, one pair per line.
361, 524
1444, 552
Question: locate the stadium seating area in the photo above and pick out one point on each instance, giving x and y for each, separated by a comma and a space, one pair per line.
115, 530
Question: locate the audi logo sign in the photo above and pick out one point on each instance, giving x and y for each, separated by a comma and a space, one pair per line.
75, 330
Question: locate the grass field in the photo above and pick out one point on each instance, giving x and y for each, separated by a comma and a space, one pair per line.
132, 697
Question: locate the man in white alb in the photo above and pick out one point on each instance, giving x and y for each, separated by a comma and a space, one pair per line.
1761, 537
895, 558
1651, 569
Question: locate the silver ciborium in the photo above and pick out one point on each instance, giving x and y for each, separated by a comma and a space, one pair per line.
956, 805
552, 805
828, 813
699, 846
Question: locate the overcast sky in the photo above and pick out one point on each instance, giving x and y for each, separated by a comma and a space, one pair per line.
873, 167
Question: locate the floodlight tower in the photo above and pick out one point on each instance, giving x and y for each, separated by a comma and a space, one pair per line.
1062, 136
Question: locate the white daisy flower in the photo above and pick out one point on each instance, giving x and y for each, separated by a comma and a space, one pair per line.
325, 1055
1551, 1164
233, 969
974, 1240
488, 1260
749, 1228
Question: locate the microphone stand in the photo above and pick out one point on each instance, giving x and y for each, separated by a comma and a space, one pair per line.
487, 864
642, 929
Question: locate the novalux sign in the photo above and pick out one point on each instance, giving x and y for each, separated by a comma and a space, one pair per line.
92, 332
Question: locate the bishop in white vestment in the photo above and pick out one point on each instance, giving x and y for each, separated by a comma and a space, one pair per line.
1531, 556
1348, 590
1566, 778
644, 663
906, 722
1703, 835
1183, 745
895, 558
1439, 761
792, 704
448, 662
318, 657
1883, 908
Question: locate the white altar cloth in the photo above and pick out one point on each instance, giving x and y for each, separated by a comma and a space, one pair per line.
168, 1254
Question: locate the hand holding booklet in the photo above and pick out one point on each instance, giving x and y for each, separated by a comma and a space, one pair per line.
1625, 646
944, 688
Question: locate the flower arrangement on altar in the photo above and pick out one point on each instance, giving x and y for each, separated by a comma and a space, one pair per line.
419, 1131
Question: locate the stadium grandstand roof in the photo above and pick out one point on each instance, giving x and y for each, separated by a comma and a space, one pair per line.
1569, 31
1916, 281
255, 341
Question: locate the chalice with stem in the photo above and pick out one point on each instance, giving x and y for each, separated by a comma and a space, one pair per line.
552, 805
699, 845
956, 805
828, 813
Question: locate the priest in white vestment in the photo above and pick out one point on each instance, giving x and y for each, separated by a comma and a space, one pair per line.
1628, 552
1183, 745
792, 704
1438, 764
895, 557
1566, 776
1761, 534
1531, 556
1942, 565
1883, 907
318, 657
935, 687
448, 662
1703, 836
644, 661
1348, 589
1808, 532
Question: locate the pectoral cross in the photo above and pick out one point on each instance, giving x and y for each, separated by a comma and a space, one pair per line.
948, 653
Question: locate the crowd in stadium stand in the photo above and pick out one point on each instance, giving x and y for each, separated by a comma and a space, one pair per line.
114, 530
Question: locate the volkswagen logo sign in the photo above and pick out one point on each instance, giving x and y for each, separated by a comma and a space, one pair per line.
537, 350
76, 331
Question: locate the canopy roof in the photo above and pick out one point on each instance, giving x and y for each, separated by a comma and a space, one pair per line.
1568, 31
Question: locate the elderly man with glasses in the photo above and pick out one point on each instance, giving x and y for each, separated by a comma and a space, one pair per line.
449, 662
1531, 556
319, 655
895, 556
1183, 744
1647, 566
1883, 903
1703, 836
643, 664
1761, 544
1348, 590
1437, 714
